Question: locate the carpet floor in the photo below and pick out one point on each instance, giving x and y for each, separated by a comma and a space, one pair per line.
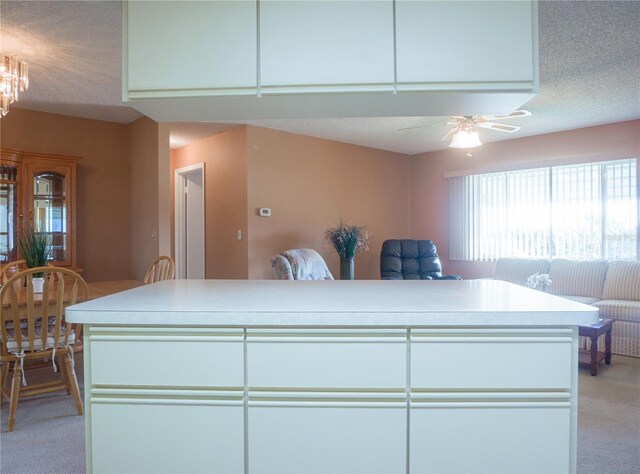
49, 436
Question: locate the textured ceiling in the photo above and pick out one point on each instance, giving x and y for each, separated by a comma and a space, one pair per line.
589, 73
74, 50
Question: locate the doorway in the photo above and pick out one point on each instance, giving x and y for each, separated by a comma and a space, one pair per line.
189, 224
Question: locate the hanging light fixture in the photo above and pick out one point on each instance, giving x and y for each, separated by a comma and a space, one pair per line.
14, 79
465, 137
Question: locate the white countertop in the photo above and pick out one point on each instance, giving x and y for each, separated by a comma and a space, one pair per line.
384, 303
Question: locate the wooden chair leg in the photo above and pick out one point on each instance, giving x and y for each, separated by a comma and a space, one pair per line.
73, 383
63, 372
4, 373
15, 393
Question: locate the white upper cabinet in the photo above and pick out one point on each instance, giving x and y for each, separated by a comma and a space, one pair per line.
244, 59
197, 48
478, 43
326, 45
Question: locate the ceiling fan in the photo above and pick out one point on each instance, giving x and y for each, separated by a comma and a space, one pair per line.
465, 135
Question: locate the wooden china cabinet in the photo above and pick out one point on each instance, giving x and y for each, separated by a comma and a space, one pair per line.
40, 190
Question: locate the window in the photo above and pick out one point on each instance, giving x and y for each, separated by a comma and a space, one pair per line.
575, 211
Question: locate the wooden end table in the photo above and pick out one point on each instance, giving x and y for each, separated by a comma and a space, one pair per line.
592, 357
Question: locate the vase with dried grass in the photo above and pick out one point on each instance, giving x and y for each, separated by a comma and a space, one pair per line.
347, 240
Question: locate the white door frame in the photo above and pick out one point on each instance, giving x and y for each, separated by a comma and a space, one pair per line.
180, 228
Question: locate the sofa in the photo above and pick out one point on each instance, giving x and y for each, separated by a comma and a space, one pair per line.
611, 286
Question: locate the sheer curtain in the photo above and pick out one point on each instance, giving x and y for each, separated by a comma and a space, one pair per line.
574, 211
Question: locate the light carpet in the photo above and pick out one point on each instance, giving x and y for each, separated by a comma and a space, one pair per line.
49, 436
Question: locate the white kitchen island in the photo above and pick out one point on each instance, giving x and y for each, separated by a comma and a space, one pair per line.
331, 376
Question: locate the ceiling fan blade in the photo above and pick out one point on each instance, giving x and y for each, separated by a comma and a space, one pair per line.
516, 114
449, 134
498, 126
412, 128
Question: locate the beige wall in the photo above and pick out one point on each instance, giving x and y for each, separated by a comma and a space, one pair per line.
309, 183
144, 194
225, 158
164, 190
429, 195
103, 227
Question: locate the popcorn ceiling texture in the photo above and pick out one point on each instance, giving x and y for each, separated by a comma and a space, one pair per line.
74, 54
589, 74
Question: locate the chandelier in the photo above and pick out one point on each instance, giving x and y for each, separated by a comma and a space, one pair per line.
14, 78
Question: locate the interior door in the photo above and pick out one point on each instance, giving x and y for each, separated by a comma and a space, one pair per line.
194, 216
190, 222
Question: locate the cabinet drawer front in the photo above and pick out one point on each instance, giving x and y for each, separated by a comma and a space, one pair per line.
496, 440
494, 363
326, 362
167, 438
326, 439
167, 361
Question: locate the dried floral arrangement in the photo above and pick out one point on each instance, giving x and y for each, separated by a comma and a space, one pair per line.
348, 239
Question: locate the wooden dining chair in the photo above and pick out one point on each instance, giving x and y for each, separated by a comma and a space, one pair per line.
33, 328
10, 269
161, 269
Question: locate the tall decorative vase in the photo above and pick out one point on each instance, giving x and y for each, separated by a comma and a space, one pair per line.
346, 269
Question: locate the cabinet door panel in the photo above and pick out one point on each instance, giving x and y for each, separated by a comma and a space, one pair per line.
495, 440
50, 205
192, 45
326, 439
326, 43
466, 41
145, 437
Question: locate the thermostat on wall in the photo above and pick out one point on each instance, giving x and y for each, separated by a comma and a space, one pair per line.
265, 212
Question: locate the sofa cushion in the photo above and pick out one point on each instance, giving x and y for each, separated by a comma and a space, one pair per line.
581, 299
623, 281
623, 310
517, 270
577, 277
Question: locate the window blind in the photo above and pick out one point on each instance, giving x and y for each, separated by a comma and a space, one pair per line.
574, 211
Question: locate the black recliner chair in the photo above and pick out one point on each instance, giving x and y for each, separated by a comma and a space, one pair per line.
411, 260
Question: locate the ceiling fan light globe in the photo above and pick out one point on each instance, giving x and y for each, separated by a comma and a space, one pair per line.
465, 139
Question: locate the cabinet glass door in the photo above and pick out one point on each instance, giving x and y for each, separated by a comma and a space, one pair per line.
8, 213
50, 207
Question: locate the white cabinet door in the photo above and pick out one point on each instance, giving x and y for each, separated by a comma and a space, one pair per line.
165, 436
499, 439
194, 47
295, 437
466, 42
308, 45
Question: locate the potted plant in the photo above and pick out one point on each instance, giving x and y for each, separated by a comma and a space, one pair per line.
35, 250
347, 240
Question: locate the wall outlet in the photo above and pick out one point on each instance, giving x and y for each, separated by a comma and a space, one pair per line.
239, 235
